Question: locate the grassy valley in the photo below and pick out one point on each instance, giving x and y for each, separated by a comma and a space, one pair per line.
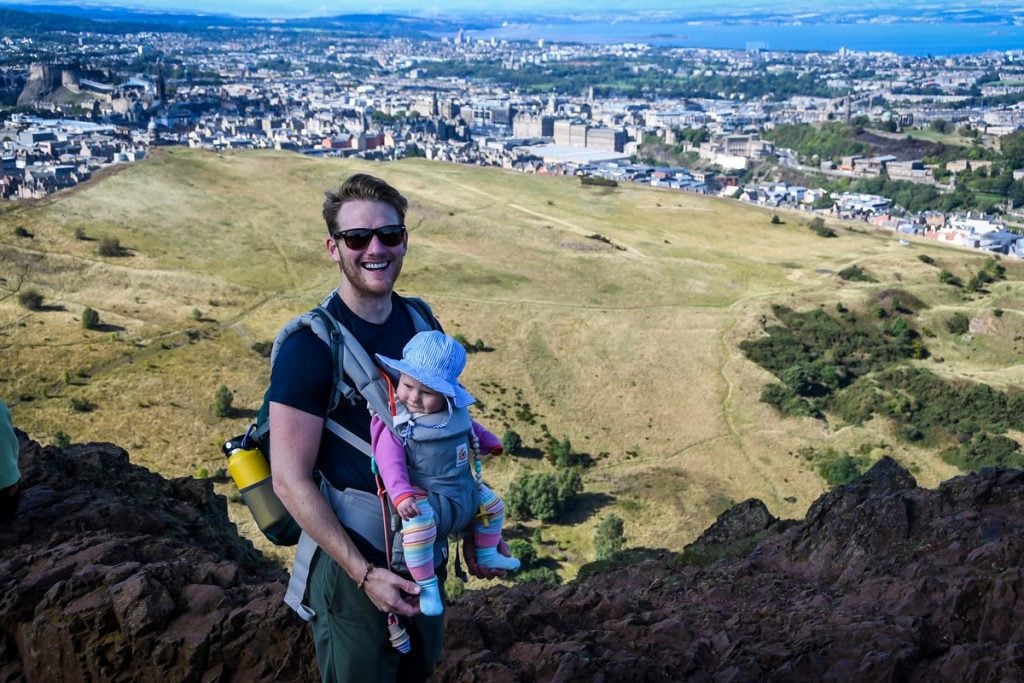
609, 316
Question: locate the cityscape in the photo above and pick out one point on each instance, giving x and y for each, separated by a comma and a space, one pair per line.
77, 96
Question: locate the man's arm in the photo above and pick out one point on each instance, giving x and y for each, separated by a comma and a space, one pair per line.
295, 441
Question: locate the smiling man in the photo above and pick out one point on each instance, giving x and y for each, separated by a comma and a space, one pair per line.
349, 588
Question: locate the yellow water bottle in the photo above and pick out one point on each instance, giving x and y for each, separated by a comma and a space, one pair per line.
250, 471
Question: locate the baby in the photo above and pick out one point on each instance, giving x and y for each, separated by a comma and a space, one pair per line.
432, 471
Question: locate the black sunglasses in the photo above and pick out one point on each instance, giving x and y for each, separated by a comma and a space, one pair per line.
359, 238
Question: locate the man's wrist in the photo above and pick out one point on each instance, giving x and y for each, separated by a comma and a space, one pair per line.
362, 583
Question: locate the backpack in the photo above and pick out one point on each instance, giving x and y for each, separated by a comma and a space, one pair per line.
349, 359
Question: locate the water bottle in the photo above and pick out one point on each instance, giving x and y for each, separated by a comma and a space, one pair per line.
250, 471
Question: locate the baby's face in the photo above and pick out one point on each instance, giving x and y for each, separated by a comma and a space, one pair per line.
418, 398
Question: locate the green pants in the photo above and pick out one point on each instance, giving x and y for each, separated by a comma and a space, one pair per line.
351, 635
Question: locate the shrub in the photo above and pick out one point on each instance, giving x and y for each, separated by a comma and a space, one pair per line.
997, 312
985, 450
80, 234
110, 246
511, 442
31, 299
201, 473
90, 318
222, 400
856, 274
541, 495
82, 405
61, 439
20, 231
524, 551
609, 537
925, 258
263, 348
196, 314
947, 278
958, 323
541, 574
597, 181
825, 232
842, 470
776, 220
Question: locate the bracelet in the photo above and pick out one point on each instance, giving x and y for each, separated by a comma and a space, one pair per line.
369, 568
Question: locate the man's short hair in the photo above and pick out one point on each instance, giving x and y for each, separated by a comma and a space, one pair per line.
366, 187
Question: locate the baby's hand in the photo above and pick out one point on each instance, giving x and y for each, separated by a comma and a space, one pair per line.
408, 509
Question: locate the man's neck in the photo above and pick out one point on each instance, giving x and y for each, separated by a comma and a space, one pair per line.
372, 309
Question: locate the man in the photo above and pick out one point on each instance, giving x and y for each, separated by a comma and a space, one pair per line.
350, 590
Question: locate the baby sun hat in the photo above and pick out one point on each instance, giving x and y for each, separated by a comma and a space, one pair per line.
435, 360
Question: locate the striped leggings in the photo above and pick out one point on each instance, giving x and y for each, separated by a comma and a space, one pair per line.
420, 532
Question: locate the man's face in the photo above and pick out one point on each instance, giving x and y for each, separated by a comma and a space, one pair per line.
371, 271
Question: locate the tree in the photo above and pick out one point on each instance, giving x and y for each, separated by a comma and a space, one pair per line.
90, 319
609, 537
222, 401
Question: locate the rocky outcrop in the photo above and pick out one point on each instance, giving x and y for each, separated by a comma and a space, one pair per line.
111, 572
883, 581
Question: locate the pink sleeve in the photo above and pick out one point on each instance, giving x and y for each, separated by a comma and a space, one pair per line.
390, 457
489, 443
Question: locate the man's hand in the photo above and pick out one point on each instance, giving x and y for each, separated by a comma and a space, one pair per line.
469, 553
391, 593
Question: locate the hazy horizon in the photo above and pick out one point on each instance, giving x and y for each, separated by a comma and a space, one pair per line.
677, 8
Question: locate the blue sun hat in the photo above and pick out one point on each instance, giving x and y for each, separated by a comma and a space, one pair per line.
435, 360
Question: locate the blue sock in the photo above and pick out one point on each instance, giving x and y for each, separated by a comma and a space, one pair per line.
492, 559
430, 597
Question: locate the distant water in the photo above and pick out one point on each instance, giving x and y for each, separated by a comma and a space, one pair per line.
908, 38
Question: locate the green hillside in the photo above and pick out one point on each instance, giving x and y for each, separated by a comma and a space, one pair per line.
615, 315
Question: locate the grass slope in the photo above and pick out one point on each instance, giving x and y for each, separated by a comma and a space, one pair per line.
626, 344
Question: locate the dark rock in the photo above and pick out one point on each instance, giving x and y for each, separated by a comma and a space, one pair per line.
111, 572
881, 581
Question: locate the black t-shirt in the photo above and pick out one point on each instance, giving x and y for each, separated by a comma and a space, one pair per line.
301, 378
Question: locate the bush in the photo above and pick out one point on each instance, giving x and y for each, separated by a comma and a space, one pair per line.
263, 348
958, 323
20, 231
609, 537
776, 220
31, 299
925, 258
985, 450
541, 574
511, 442
61, 439
110, 246
222, 401
856, 274
82, 405
90, 319
597, 181
80, 234
947, 278
543, 496
524, 551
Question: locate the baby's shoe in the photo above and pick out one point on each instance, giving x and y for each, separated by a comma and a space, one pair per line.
430, 597
492, 559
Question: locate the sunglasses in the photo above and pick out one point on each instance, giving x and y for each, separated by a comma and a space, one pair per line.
359, 238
